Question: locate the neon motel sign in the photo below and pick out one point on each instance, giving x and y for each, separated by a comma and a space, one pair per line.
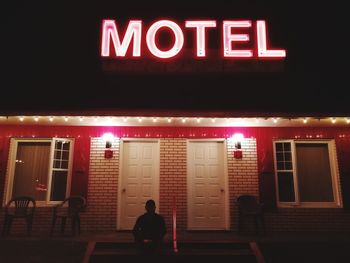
230, 39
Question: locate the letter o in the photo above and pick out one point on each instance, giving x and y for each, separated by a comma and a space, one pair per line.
151, 43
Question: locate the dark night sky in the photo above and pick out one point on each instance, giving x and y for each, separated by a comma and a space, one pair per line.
50, 60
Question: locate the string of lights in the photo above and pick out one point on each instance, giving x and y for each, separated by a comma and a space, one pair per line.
173, 121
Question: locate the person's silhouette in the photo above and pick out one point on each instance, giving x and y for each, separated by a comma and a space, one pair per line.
149, 229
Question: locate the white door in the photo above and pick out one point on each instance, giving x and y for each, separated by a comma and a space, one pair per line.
206, 185
139, 180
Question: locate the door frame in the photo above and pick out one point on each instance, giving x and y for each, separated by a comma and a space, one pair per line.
226, 186
120, 179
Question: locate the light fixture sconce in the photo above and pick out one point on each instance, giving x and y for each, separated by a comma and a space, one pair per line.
237, 141
108, 138
108, 144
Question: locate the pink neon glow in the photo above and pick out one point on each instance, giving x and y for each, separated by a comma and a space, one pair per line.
151, 41
174, 225
200, 27
262, 43
228, 38
109, 31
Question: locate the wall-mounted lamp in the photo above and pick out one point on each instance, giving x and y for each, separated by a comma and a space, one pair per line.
108, 138
237, 141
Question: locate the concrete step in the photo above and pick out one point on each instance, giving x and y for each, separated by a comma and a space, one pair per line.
104, 252
173, 258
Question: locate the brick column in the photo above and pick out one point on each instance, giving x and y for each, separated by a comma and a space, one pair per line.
102, 188
173, 180
243, 175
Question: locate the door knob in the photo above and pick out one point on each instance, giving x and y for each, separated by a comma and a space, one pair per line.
124, 190
222, 190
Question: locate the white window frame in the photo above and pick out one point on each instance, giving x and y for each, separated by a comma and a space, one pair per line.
12, 163
337, 203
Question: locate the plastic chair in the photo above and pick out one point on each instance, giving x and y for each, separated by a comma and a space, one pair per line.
19, 207
249, 207
76, 204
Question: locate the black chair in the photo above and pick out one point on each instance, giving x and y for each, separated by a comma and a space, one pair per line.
19, 207
75, 204
249, 207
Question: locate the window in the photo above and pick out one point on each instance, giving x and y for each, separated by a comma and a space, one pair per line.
306, 173
40, 168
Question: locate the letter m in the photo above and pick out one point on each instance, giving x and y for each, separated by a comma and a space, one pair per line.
110, 32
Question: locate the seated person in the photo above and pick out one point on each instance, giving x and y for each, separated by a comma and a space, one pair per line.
149, 229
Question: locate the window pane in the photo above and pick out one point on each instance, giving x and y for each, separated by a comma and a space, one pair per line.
66, 145
280, 166
56, 164
65, 155
288, 156
286, 187
57, 154
64, 164
58, 185
279, 147
314, 174
31, 170
288, 165
58, 145
279, 157
287, 147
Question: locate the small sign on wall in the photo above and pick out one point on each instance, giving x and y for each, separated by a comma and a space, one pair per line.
108, 154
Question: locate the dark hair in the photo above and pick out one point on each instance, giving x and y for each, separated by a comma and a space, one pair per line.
150, 202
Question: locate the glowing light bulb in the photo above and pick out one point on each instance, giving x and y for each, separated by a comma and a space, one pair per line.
36, 119
108, 137
51, 119
169, 120
65, 119
21, 118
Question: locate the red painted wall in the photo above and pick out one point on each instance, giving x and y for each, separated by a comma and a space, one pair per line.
263, 135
